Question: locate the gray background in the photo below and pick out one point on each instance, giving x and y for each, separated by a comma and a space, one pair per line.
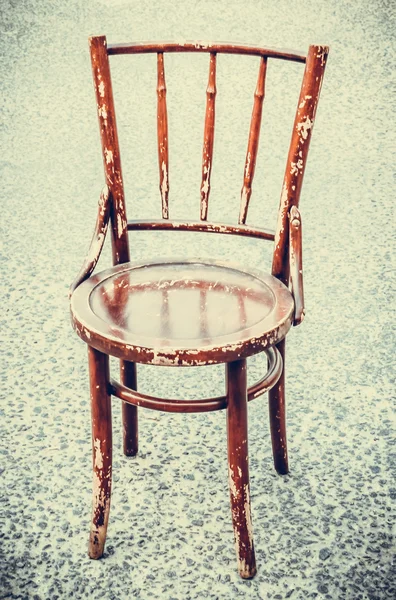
324, 531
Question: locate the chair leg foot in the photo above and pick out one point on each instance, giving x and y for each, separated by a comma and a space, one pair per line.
129, 412
277, 413
102, 450
237, 440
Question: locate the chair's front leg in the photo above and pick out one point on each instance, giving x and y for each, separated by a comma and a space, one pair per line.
277, 413
102, 449
129, 411
237, 438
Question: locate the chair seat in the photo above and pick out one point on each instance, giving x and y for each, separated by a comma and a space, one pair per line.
181, 313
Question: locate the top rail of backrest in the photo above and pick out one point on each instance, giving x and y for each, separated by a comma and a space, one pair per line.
214, 47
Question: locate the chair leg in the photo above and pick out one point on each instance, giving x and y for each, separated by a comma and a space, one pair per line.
237, 436
129, 412
102, 449
277, 413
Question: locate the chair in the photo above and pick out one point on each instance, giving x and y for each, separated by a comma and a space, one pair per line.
172, 312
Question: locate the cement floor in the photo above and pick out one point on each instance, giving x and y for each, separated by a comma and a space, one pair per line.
327, 529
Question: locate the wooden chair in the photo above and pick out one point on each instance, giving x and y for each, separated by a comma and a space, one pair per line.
172, 313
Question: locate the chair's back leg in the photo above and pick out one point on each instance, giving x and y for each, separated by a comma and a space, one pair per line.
238, 465
113, 172
277, 413
129, 412
102, 449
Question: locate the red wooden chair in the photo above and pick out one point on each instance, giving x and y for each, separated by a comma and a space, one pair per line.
172, 313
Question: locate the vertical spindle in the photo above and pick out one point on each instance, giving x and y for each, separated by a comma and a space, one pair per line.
207, 155
254, 136
162, 128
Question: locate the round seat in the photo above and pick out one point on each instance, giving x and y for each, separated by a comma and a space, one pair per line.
181, 313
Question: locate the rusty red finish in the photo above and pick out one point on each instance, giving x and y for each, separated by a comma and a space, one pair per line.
224, 228
101, 449
112, 168
238, 466
207, 155
128, 378
162, 128
110, 146
134, 286
254, 136
295, 259
206, 312
277, 413
298, 153
217, 47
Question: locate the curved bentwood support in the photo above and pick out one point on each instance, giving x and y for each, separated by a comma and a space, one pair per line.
135, 398
286, 263
97, 241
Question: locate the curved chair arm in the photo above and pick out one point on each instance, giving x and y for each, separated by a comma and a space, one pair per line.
295, 259
97, 241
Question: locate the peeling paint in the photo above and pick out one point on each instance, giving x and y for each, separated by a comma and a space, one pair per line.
302, 104
109, 156
247, 166
244, 203
164, 188
102, 112
304, 126
248, 515
296, 167
284, 203
98, 456
205, 182
231, 482
120, 225
322, 53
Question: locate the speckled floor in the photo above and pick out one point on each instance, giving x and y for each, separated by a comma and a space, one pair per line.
324, 531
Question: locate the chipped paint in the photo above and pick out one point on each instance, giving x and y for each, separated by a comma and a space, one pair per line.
164, 188
109, 156
120, 225
102, 112
98, 456
248, 515
233, 489
296, 167
303, 102
101, 88
244, 204
247, 166
322, 54
206, 182
284, 204
304, 127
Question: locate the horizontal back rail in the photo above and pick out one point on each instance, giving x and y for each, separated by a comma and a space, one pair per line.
148, 47
201, 226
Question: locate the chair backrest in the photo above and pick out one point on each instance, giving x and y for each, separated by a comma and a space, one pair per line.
315, 62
